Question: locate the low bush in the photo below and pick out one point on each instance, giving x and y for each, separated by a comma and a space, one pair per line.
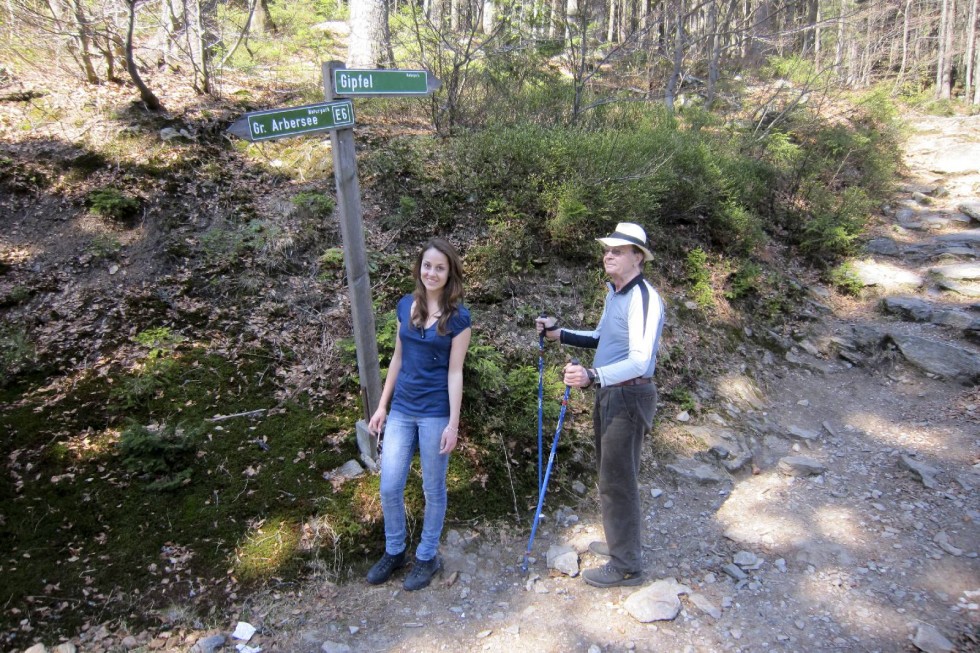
160, 454
112, 204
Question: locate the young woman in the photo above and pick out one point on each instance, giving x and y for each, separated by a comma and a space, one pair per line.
425, 388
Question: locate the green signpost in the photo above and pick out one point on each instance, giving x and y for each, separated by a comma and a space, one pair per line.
280, 123
348, 82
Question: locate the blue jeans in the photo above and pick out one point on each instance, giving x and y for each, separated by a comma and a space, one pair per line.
402, 436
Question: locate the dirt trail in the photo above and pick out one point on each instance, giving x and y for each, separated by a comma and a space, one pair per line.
868, 542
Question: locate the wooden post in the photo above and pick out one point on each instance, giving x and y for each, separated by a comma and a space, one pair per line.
355, 262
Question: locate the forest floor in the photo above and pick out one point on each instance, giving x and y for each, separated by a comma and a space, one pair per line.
861, 557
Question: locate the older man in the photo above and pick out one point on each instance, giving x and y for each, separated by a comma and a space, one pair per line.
626, 341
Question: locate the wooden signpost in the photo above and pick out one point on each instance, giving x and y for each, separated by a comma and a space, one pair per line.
337, 116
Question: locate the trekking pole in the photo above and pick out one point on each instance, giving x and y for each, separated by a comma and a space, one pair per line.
540, 399
543, 488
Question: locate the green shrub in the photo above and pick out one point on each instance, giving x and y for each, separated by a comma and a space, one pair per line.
111, 203
104, 246
835, 224
320, 205
745, 281
160, 454
158, 340
19, 294
332, 259
845, 279
682, 397
699, 278
16, 352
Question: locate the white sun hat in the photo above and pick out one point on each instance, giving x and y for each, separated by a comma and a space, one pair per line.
628, 233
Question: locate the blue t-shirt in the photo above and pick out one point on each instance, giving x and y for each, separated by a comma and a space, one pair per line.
422, 388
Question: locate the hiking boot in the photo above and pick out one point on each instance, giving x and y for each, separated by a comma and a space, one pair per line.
599, 548
422, 573
384, 568
609, 576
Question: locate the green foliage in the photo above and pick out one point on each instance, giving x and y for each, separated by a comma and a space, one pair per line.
738, 227
682, 398
17, 295
160, 369
745, 281
320, 205
159, 453
222, 247
827, 175
699, 278
836, 223
158, 340
104, 246
797, 69
332, 259
113, 204
845, 279
16, 352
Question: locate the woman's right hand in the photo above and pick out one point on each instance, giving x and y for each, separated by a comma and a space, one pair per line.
377, 422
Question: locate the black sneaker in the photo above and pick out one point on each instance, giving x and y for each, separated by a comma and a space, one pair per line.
599, 548
384, 568
422, 573
609, 576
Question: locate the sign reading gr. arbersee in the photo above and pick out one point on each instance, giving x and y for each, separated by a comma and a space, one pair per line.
279, 123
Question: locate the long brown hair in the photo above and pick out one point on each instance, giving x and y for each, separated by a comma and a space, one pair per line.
452, 292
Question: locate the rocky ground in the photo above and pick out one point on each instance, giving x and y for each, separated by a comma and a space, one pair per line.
832, 505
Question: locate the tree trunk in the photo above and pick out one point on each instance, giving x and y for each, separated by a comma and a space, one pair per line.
263, 19
82, 39
971, 45
434, 13
839, 49
197, 45
906, 22
715, 53
810, 42
976, 76
370, 40
489, 16
611, 27
149, 99
671, 91
944, 56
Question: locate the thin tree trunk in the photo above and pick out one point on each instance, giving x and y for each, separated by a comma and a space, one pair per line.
906, 22
252, 13
944, 56
671, 91
715, 53
489, 16
611, 27
812, 18
149, 99
83, 42
197, 45
971, 44
839, 49
976, 77
817, 33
